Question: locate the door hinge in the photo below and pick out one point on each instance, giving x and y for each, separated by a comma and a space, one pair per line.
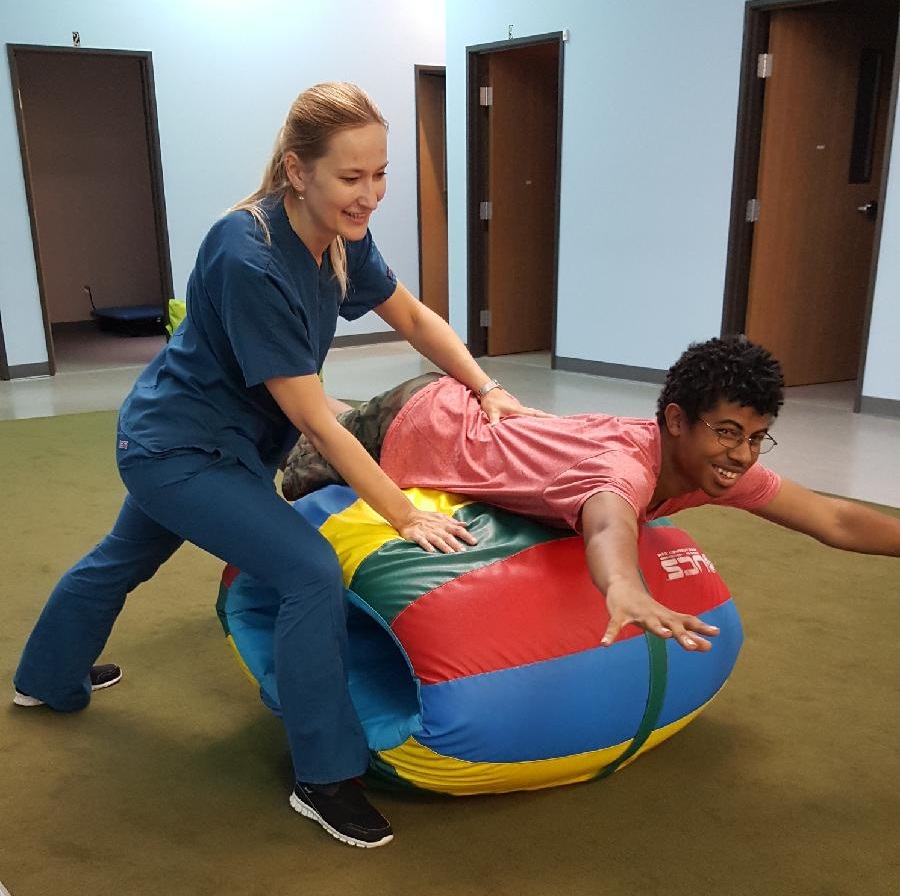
485, 211
485, 96
485, 318
20, 98
752, 210
765, 65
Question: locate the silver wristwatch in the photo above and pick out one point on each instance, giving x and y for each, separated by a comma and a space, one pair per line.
484, 390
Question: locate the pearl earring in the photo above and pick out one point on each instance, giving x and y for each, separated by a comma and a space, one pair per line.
301, 196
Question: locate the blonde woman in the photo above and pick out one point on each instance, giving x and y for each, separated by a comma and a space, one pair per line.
207, 423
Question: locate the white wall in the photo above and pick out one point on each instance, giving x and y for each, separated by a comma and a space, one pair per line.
649, 127
226, 72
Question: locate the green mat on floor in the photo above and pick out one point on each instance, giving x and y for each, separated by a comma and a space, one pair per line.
176, 781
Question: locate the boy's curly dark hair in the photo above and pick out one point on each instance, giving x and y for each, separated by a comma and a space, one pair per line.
732, 369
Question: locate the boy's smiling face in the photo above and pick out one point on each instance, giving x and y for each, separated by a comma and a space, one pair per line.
699, 458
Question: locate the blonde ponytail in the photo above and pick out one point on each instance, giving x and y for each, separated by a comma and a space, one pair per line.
338, 258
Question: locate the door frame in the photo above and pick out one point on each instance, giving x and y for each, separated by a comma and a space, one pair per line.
145, 61
4, 362
477, 180
756, 29
419, 71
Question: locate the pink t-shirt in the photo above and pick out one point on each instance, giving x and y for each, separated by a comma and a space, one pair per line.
543, 467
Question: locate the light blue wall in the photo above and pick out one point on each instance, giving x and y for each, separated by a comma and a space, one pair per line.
226, 72
881, 373
650, 93
649, 126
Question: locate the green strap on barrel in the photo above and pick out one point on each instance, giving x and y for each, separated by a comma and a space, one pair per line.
657, 688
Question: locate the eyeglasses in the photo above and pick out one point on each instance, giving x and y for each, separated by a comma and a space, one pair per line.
730, 437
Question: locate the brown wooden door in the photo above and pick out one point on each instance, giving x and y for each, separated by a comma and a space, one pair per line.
812, 247
522, 185
432, 189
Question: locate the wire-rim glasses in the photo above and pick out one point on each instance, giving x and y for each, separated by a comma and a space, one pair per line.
730, 437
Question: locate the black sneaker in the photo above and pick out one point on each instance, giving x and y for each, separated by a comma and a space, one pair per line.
102, 676
344, 811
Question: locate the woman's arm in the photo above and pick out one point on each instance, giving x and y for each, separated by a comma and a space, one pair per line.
303, 401
435, 340
337, 407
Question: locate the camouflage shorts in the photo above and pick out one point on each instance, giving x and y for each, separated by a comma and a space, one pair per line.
306, 470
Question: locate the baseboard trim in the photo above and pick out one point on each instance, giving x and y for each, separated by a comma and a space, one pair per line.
366, 339
22, 371
613, 371
879, 407
73, 326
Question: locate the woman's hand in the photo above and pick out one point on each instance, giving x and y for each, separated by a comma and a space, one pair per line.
304, 403
627, 604
435, 531
498, 403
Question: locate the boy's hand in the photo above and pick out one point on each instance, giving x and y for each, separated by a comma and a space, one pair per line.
627, 604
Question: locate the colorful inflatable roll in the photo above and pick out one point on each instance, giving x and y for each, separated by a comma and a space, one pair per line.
481, 671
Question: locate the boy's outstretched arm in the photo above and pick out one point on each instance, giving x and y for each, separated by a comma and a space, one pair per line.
833, 521
611, 535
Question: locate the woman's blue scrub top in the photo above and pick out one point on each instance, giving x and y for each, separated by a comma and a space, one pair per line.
256, 310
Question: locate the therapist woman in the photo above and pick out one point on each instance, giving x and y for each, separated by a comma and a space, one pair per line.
203, 431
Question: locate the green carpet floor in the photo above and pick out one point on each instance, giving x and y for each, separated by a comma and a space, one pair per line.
176, 781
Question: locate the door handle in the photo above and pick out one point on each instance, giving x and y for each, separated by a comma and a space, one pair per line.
869, 209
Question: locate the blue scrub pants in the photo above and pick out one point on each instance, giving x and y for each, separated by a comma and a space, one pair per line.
221, 506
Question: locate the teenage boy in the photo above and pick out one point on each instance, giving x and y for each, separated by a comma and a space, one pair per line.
604, 476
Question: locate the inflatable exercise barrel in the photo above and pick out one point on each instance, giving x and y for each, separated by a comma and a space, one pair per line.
481, 671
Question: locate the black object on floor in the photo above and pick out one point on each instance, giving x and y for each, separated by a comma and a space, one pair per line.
129, 320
